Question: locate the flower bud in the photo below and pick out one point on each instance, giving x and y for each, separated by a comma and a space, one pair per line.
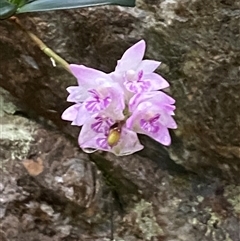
114, 135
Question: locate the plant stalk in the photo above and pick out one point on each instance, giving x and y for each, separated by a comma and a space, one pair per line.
50, 53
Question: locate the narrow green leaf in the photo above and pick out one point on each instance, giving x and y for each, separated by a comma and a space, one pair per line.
46, 5
7, 9
19, 3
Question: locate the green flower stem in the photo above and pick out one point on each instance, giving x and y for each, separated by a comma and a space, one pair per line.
50, 53
126, 113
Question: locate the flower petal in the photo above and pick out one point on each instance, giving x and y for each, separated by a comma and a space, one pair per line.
162, 136
128, 143
132, 57
153, 121
157, 81
89, 137
117, 105
88, 77
90, 140
72, 89
82, 116
71, 112
157, 97
168, 121
148, 66
77, 94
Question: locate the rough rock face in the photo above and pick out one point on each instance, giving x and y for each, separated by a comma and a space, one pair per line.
50, 190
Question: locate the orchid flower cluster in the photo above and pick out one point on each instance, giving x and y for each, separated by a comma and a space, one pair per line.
112, 108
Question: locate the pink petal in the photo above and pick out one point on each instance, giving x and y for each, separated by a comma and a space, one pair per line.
128, 144
87, 76
77, 94
90, 141
82, 116
167, 121
138, 99
132, 57
72, 89
71, 112
157, 81
87, 140
162, 136
91, 137
97, 101
88, 137
161, 133
148, 66
117, 105
157, 97
162, 97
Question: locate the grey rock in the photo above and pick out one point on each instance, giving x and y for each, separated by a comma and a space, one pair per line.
187, 192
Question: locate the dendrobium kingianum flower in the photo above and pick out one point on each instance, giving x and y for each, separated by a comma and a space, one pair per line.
112, 108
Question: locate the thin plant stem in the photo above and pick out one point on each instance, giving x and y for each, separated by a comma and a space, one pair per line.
50, 53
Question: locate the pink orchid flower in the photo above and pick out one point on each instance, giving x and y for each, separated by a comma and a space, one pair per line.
152, 115
137, 75
113, 108
96, 94
94, 136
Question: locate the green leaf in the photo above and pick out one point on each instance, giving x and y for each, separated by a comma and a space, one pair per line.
19, 3
46, 5
7, 9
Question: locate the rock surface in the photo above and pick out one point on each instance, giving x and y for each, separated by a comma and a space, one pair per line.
50, 190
